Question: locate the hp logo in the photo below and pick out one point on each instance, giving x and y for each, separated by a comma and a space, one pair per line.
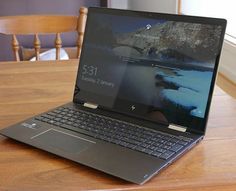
133, 107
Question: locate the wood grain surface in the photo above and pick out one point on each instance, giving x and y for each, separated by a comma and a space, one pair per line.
28, 88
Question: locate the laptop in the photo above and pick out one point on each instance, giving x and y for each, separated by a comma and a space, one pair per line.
142, 94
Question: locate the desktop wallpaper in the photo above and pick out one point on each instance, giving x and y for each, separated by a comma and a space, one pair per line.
166, 65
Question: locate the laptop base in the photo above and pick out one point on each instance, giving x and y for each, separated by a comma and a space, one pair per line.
107, 157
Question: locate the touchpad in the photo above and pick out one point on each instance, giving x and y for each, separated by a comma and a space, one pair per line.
62, 141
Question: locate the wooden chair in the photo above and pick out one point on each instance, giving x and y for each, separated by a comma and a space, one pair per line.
43, 24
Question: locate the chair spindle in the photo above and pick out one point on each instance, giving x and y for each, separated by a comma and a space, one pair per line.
37, 46
81, 28
15, 47
58, 45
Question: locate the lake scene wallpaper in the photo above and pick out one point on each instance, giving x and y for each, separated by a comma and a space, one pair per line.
167, 65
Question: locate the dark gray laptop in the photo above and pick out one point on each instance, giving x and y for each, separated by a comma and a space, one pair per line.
142, 94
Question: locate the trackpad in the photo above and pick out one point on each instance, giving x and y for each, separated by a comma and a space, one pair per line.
62, 141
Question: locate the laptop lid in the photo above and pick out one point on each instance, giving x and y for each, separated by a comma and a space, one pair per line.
158, 67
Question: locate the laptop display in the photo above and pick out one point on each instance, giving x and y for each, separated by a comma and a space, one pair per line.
157, 68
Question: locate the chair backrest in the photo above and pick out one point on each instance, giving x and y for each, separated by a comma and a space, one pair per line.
43, 24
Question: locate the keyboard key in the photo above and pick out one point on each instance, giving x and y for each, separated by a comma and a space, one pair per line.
145, 145
148, 151
156, 154
174, 140
160, 150
166, 138
157, 144
131, 146
139, 148
158, 136
176, 147
185, 139
69, 122
170, 143
45, 120
57, 123
57, 111
167, 154
182, 142
152, 147
123, 143
134, 142
165, 147
154, 139
161, 141
150, 142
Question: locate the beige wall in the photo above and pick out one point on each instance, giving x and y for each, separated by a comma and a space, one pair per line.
162, 6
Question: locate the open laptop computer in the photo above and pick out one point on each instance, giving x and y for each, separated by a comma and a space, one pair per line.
142, 93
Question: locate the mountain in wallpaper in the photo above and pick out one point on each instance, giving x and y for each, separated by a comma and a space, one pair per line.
173, 41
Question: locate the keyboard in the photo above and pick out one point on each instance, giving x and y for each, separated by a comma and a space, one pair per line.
115, 131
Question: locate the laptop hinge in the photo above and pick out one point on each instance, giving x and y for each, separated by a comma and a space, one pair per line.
177, 127
90, 105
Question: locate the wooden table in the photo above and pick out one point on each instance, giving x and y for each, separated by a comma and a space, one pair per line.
30, 88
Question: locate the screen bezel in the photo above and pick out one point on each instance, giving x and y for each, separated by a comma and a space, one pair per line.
90, 97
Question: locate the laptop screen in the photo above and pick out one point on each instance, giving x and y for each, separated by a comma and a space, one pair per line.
155, 66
